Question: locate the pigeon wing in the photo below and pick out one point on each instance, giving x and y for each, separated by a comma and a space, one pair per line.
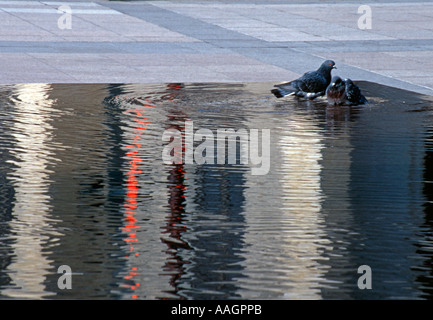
311, 82
353, 93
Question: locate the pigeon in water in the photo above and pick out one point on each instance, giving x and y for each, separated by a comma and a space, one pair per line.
344, 92
310, 85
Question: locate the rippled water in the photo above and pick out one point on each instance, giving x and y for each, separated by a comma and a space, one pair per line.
83, 184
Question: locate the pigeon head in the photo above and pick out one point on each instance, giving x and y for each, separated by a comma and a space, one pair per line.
326, 68
335, 93
328, 65
337, 82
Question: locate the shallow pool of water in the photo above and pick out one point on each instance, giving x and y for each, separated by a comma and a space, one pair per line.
84, 183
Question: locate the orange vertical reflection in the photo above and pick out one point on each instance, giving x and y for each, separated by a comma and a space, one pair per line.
132, 187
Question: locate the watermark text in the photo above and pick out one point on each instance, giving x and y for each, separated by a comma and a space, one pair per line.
65, 20
243, 146
365, 20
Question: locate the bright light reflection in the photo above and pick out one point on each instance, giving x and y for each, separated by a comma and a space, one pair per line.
31, 223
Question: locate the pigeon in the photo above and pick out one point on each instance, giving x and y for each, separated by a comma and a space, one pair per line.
344, 92
310, 85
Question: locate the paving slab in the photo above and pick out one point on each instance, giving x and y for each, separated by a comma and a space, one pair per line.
187, 41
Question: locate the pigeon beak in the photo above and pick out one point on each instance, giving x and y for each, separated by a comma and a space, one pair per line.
334, 67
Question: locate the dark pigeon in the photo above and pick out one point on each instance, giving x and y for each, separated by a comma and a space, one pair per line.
310, 85
344, 92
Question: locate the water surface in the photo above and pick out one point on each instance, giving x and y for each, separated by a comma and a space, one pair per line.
83, 184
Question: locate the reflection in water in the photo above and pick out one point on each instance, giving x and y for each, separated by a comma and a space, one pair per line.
205, 206
287, 256
425, 246
132, 185
83, 184
33, 154
175, 225
301, 147
386, 196
338, 219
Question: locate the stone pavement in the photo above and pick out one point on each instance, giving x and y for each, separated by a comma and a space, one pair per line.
214, 41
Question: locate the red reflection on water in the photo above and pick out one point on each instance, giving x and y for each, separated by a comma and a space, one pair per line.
175, 226
132, 188
177, 194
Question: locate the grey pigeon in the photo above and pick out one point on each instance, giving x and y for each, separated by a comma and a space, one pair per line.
344, 92
310, 85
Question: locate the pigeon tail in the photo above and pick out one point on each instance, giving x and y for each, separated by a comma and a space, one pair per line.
310, 95
281, 92
363, 100
353, 93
